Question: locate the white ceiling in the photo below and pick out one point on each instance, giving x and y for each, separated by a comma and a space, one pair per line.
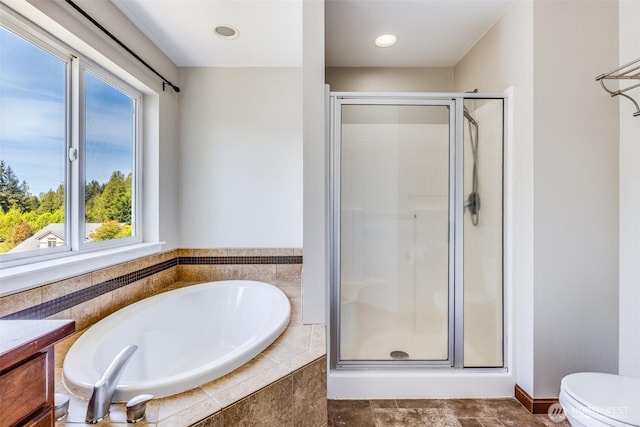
270, 31
431, 33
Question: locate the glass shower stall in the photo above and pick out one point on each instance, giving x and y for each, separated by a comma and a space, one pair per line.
416, 231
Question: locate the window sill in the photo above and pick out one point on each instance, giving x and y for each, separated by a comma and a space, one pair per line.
29, 276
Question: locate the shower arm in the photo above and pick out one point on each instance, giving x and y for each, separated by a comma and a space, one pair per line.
629, 71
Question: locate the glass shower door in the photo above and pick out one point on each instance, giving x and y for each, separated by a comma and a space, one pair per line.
483, 130
395, 209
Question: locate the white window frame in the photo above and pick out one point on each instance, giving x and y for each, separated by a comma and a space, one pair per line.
78, 240
20, 264
33, 34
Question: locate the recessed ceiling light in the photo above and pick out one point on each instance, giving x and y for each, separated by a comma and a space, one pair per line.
386, 40
226, 32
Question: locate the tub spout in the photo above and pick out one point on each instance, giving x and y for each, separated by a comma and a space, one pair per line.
104, 389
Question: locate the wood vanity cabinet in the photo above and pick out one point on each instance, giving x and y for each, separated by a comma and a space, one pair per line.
27, 370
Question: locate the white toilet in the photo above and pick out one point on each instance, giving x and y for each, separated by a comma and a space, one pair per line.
597, 400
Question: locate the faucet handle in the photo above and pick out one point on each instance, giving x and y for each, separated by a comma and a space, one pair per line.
137, 406
61, 404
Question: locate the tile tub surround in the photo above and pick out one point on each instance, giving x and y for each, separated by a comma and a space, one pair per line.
297, 400
89, 297
285, 382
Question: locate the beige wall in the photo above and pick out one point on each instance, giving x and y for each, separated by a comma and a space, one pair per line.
576, 192
240, 157
565, 153
629, 200
389, 79
314, 281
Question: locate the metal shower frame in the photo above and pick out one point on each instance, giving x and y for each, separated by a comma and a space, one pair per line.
456, 215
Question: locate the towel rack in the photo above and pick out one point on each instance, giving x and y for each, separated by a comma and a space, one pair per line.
630, 71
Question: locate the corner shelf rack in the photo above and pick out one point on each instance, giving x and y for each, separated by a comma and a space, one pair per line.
630, 71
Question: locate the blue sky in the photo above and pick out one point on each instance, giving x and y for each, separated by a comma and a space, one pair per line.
32, 118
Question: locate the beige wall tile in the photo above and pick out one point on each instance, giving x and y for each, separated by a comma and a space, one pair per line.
296, 311
297, 335
170, 406
255, 367
65, 287
289, 272
20, 301
153, 259
188, 415
216, 420
144, 262
178, 285
270, 407
292, 342
138, 264
131, 293
310, 394
195, 273
108, 273
244, 251
239, 391
171, 275
62, 347
88, 313
318, 339
202, 252
276, 252
161, 281
240, 252
227, 272
261, 272
63, 315
164, 256
301, 359
290, 289
219, 252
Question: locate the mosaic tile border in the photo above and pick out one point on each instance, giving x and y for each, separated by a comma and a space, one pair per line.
49, 308
224, 260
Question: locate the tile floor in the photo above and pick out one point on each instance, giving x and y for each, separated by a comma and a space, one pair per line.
435, 412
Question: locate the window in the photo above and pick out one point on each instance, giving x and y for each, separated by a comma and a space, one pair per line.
109, 142
69, 149
33, 109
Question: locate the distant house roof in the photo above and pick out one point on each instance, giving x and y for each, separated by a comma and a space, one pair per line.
56, 230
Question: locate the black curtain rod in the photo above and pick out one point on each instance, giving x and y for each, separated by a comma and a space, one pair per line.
165, 82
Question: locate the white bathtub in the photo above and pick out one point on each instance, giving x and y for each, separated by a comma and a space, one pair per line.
185, 338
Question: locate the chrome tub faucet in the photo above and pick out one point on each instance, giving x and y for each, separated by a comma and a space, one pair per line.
104, 389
